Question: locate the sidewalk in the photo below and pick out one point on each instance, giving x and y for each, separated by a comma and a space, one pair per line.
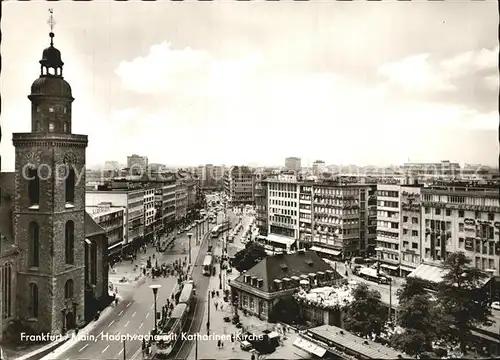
207, 349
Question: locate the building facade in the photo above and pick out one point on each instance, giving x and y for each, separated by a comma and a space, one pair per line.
133, 203
468, 221
149, 210
260, 195
168, 199
318, 167
335, 219
112, 221
181, 199
137, 165
238, 185
293, 164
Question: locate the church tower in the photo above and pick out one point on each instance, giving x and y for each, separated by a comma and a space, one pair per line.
49, 205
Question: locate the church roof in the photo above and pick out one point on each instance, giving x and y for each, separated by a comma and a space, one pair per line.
91, 227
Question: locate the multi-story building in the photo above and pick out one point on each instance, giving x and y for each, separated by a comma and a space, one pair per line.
444, 169
410, 234
111, 220
260, 195
168, 199
293, 164
180, 201
191, 190
388, 226
218, 176
318, 167
137, 164
149, 210
238, 185
466, 220
341, 215
336, 219
132, 201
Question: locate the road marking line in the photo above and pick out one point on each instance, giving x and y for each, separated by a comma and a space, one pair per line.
152, 306
83, 347
141, 325
120, 352
127, 323
120, 313
134, 314
111, 323
136, 353
106, 348
68, 358
130, 303
147, 315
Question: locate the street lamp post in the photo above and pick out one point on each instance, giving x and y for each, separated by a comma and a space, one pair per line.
208, 317
190, 235
390, 300
155, 288
124, 351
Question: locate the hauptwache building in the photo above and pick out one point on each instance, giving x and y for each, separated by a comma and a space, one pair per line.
52, 254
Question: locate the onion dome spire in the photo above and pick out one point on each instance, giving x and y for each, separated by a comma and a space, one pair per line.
51, 63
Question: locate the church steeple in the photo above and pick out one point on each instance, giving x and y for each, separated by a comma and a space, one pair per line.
50, 94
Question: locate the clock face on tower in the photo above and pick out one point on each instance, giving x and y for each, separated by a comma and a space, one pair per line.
70, 158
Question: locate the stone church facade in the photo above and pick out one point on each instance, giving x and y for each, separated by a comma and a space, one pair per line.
45, 255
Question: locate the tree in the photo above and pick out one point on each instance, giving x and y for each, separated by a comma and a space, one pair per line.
251, 255
412, 287
365, 315
461, 300
286, 310
417, 318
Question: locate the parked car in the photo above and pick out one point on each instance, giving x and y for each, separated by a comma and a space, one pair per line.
495, 305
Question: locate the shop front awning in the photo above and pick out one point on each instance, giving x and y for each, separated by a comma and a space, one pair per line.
280, 239
326, 250
309, 347
390, 267
427, 272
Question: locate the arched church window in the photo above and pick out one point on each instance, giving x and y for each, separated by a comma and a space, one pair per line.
33, 187
51, 109
70, 185
33, 300
65, 127
69, 248
69, 289
51, 127
65, 110
34, 244
38, 109
38, 127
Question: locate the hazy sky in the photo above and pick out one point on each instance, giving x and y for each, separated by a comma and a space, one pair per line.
238, 82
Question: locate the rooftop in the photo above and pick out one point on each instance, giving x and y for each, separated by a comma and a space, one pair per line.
91, 227
345, 339
281, 266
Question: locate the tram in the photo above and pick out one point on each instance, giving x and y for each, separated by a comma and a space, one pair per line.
172, 331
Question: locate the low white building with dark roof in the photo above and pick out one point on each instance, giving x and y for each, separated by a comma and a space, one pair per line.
259, 289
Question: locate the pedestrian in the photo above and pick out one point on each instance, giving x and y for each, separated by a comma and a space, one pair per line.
218, 344
221, 307
216, 305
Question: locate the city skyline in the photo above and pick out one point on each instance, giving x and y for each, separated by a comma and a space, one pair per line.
217, 80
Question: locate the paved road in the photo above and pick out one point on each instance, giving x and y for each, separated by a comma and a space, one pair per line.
133, 315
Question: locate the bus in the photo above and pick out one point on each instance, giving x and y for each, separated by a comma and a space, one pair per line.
186, 294
221, 228
207, 265
272, 247
373, 275
171, 332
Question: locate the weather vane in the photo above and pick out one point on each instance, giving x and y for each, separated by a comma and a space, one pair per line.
51, 20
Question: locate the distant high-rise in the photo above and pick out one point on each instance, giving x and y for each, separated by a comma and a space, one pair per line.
293, 164
111, 165
318, 167
137, 164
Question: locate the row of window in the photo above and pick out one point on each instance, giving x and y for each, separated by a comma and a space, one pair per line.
386, 193
283, 211
282, 187
391, 204
283, 203
481, 201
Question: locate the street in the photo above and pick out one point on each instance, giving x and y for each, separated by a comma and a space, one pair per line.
134, 313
